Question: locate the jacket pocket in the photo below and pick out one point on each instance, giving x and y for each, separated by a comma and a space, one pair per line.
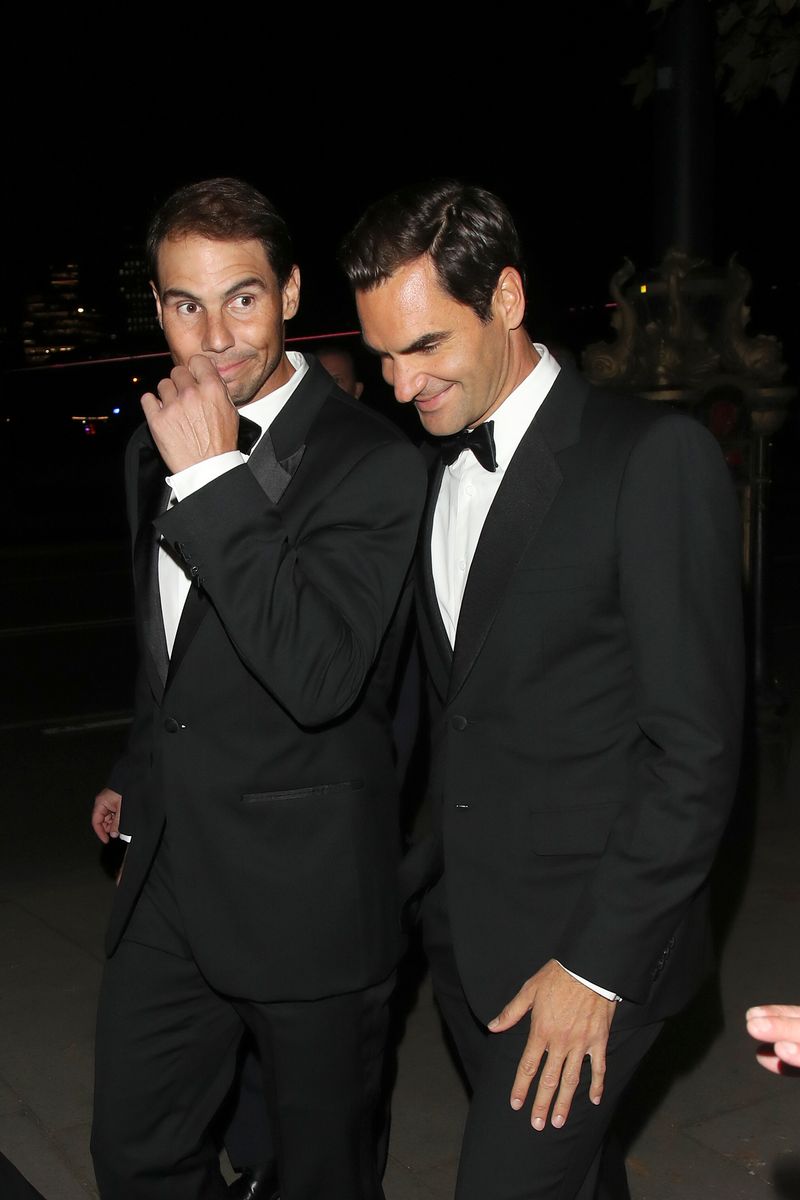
320, 790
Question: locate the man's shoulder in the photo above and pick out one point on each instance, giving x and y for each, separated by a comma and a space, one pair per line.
628, 418
344, 419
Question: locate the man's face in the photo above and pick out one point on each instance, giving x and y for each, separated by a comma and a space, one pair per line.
222, 299
341, 368
435, 351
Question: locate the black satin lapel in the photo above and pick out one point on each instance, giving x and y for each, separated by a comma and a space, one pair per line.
436, 644
521, 504
273, 476
152, 497
195, 609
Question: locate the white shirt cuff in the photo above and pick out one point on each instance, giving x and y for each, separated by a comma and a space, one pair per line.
594, 987
191, 479
124, 837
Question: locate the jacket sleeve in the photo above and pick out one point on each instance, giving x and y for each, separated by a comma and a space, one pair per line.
679, 558
306, 616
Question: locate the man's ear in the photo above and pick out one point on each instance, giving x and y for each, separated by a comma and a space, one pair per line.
508, 300
157, 298
291, 294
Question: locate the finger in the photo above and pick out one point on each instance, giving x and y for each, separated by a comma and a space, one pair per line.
203, 368
549, 1081
788, 1052
769, 1060
151, 406
597, 1084
169, 389
98, 825
771, 1029
529, 1064
513, 1012
774, 1010
570, 1078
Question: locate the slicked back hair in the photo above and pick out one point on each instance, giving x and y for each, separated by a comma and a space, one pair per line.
468, 233
223, 210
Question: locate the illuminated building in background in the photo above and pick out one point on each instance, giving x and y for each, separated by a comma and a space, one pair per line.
57, 325
138, 310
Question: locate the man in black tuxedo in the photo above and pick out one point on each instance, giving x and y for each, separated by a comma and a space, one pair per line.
579, 611
273, 522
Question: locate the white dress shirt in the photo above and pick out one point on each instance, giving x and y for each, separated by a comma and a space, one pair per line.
465, 497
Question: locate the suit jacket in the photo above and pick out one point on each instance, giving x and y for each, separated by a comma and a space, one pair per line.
263, 745
588, 720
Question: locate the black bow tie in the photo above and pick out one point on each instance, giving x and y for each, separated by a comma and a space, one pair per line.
249, 433
479, 440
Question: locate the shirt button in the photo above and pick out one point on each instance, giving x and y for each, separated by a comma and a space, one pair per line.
171, 725
462, 566
458, 722
469, 489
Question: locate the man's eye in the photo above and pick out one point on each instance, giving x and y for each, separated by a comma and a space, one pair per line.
188, 308
429, 349
242, 303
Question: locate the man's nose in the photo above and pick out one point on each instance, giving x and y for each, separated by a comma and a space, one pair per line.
217, 337
407, 382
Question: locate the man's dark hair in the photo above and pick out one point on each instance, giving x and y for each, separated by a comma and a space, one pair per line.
468, 233
224, 210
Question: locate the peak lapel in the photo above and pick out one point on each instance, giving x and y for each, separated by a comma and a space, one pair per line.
280, 451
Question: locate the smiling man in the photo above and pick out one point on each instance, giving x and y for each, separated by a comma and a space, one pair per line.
579, 612
273, 521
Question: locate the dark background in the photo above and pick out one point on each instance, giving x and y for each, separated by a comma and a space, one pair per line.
324, 123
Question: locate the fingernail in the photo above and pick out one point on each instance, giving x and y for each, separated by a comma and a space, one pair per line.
493, 1024
754, 1012
595, 1099
516, 1103
788, 1047
759, 1026
558, 1120
538, 1124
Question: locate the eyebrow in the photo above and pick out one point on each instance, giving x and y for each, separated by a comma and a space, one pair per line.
252, 281
421, 343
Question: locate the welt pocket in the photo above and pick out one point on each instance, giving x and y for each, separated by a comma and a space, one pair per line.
557, 579
318, 791
573, 830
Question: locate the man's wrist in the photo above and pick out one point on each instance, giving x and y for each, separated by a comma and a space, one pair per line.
191, 479
601, 991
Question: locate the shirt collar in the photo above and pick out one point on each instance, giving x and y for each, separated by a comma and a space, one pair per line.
512, 418
264, 410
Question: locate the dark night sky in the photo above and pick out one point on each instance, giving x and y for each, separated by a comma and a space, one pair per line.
551, 128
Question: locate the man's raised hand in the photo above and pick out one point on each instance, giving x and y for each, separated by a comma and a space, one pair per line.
192, 417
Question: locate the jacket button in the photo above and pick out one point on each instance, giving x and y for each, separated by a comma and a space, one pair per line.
458, 722
195, 570
171, 725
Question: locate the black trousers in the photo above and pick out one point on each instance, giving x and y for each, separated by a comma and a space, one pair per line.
165, 1059
502, 1156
